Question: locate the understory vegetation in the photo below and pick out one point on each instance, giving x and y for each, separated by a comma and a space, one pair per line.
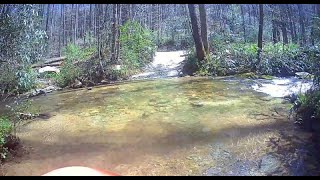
276, 59
5, 131
136, 50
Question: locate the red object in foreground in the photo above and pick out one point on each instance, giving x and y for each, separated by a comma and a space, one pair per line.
79, 171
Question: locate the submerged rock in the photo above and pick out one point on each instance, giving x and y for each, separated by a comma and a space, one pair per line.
269, 164
197, 104
291, 97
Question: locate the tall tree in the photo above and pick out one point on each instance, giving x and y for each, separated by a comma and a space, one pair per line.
292, 27
302, 25
195, 33
61, 32
76, 23
243, 22
274, 32
204, 29
48, 16
114, 34
283, 24
260, 33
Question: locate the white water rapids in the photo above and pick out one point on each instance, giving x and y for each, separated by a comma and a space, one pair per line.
169, 64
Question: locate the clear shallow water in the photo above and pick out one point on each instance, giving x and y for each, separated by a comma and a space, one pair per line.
161, 127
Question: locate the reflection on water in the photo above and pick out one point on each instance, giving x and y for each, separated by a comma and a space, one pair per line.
160, 127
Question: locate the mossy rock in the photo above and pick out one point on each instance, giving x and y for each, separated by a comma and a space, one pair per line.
249, 75
268, 77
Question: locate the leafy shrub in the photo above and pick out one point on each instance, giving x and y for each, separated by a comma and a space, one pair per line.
307, 107
5, 130
137, 45
191, 64
22, 42
69, 71
312, 56
277, 59
26, 79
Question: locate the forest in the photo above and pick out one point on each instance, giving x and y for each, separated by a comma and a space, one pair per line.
67, 67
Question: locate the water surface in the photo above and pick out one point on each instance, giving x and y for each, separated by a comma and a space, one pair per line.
178, 126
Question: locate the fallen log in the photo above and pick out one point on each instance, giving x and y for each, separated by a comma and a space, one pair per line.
44, 65
53, 60
57, 61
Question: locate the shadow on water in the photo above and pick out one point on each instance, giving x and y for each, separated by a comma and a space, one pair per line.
299, 152
109, 153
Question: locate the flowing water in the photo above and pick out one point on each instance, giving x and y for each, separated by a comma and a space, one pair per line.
164, 64
173, 126
178, 126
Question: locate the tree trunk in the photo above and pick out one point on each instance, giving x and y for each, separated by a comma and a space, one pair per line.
260, 33
204, 29
84, 25
48, 21
291, 25
76, 24
302, 27
274, 32
64, 26
52, 24
48, 16
118, 33
313, 27
195, 33
243, 22
114, 35
60, 32
283, 24
90, 24
284, 33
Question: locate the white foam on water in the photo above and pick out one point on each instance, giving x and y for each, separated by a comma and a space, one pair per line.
281, 87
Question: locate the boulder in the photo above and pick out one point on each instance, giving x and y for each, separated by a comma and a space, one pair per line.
269, 164
303, 75
77, 84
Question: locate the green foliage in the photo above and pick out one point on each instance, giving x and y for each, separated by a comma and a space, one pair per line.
76, 53
309, 106
277, 59
22, 42
282, 60
191, 65
69, 72
26, 79
312, 54
5, 130
137, 45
